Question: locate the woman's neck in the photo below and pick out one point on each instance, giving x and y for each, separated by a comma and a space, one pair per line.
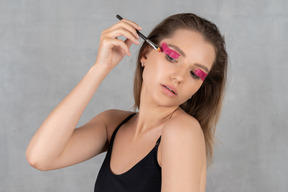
151, 115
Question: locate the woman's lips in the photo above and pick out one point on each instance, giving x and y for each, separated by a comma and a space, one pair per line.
170, 88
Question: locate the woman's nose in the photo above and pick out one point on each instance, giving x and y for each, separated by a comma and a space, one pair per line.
178, 76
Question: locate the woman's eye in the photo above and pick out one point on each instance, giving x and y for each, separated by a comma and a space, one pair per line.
194, 75
171, 59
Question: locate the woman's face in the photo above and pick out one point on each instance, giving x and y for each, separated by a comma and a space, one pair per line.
170, 81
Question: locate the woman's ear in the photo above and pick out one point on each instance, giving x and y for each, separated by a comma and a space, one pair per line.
145, 54
143, 60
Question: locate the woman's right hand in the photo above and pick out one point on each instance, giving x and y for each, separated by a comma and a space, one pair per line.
111, 49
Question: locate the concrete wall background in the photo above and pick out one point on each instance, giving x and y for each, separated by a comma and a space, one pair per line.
46, 47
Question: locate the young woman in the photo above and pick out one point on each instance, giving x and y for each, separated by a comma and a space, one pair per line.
178, 92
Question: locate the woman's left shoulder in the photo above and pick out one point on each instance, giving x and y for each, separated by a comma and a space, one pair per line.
182, 152
183, 131
183, 123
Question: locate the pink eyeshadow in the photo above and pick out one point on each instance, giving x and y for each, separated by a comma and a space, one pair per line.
168, 51
200, 74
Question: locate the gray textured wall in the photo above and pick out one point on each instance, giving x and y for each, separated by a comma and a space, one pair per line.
46, 47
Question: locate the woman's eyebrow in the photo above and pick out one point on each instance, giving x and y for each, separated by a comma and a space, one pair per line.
177, 49
183, 54
203, 67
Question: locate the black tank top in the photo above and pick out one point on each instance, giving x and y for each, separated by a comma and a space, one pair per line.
144, 176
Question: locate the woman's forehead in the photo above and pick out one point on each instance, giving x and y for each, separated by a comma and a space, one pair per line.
192, 46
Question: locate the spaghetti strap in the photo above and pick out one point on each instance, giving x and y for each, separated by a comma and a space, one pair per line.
158, 141
115, 131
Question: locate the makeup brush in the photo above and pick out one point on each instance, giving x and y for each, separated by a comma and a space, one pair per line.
143, 37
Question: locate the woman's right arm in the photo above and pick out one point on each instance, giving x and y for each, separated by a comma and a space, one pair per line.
57, 143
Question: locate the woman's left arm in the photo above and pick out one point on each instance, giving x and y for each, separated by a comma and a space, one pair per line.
183, 157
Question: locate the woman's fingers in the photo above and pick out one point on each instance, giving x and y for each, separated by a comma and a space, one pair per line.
111, 43
112, 49
128, 23
125, 26
128, 42
123, 32
132, 24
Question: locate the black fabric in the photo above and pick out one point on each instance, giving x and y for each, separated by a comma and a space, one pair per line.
145, 176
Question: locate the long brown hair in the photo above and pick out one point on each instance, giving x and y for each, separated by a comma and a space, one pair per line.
205, 104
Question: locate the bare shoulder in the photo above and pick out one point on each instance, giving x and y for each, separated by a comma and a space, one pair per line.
183, 133
184, 125
183, 153
112, 118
